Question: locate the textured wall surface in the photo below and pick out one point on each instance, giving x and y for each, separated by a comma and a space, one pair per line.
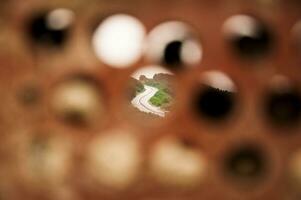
231, 128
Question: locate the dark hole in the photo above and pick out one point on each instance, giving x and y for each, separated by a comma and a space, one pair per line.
213, 103
284, 108
40, 32
253, 46
172, 54
246, 164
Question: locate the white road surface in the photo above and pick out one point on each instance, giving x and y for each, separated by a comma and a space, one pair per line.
141, 101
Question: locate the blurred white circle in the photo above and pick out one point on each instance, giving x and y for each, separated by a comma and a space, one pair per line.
118, 41
115, 158
219, 80
243, 25
174, 164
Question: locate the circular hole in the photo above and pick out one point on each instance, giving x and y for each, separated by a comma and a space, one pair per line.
215, 100
283, 106
173, 162
151, 93
248, 36
118, 40
51, 28
172, 44
47, 159
77, 101
115, 158
245, 163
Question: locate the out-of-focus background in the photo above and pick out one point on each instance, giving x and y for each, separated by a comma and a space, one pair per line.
150, 100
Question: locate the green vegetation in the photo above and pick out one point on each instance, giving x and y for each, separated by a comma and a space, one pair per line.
163, 97
160, 99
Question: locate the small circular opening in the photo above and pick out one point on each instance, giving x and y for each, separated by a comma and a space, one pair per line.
46, 158
114, 159
247, 36
245, 163
118, 41
215, 100
150, 94
51, 28
78, 101
284, 107
173, 45
176, 164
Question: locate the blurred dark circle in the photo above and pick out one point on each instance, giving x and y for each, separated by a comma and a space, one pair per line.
284, 108
172, 54
252, 41
214, 104
42, 33
245, 163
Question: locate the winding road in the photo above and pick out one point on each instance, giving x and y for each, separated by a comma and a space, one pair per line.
141, 101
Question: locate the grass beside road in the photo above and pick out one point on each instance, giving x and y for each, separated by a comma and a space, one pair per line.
162, 98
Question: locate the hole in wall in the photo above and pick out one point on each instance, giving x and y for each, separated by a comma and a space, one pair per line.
51, 28
151, 93
248, 36
215, 99
78, 101
173, 45
246, 164
283, 107
118, 40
